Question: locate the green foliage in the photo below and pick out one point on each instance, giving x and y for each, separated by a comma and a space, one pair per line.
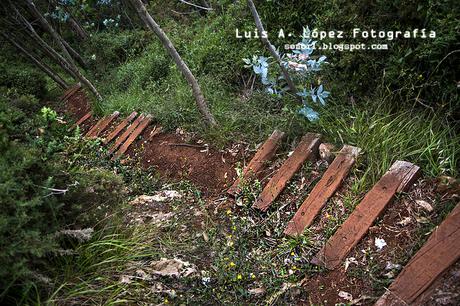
108, 50
40, 194
417, 71
22, 79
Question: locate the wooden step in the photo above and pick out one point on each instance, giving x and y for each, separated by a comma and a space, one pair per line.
102, 125
126, 134
70, 92
142, 125
323, 191
307, 148
81, 120
399, 177
259, 161
120, 128
441, 250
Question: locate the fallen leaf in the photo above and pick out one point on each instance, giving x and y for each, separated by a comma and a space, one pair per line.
257, 291
425, 205
345, 295
125, 279
172, 267
405, 221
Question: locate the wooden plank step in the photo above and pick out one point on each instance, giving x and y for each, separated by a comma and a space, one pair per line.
400, 176
441, 250
126, 134
81, 120
258, 162
103, 125
142, 125
70, 92
120, 128
323, 191
307, 148
94, 128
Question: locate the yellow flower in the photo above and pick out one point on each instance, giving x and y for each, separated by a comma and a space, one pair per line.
292, 253
252, 275
294, 268
239, 276
166, 301
232, 264
229, 211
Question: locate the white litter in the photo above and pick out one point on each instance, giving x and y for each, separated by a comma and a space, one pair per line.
380, 243
345, 295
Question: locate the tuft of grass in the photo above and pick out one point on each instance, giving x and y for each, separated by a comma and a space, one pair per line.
386, 135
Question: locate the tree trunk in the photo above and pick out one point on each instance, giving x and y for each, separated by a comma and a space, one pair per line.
199, 98
45, 68
75, 55
59, 41
77, 28
272, 49
61, 61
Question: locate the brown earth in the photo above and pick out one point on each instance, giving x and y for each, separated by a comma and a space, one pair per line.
175, 156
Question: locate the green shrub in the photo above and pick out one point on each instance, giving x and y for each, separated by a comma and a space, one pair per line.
22, 79
40, 194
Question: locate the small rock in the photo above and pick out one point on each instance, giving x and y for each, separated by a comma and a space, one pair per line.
162, 196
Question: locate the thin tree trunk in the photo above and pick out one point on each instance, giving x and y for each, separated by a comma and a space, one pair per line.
59, 42
76, 27
199, 98
75, 55
272, 49
47, 48
45, 68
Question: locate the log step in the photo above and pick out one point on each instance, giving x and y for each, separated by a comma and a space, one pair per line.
398, 178
323, 191
307, 148
81, 120
120, 127
441, 250
101, 125
126, 134
259, 161
70, 92
142, 125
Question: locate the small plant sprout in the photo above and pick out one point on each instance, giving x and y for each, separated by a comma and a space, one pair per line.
303, 68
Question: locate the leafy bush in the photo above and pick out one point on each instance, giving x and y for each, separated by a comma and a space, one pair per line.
107, 50
418, 71
24, 79
40, 194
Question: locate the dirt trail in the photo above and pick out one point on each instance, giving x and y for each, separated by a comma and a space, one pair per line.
176, 156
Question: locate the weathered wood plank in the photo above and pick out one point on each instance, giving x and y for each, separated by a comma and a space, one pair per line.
70, 92
373, 204
126, 134
142, 125
120, 127
323, 191
103, 125
95, 127
258, 162
82, 119
441, 250
307, 148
